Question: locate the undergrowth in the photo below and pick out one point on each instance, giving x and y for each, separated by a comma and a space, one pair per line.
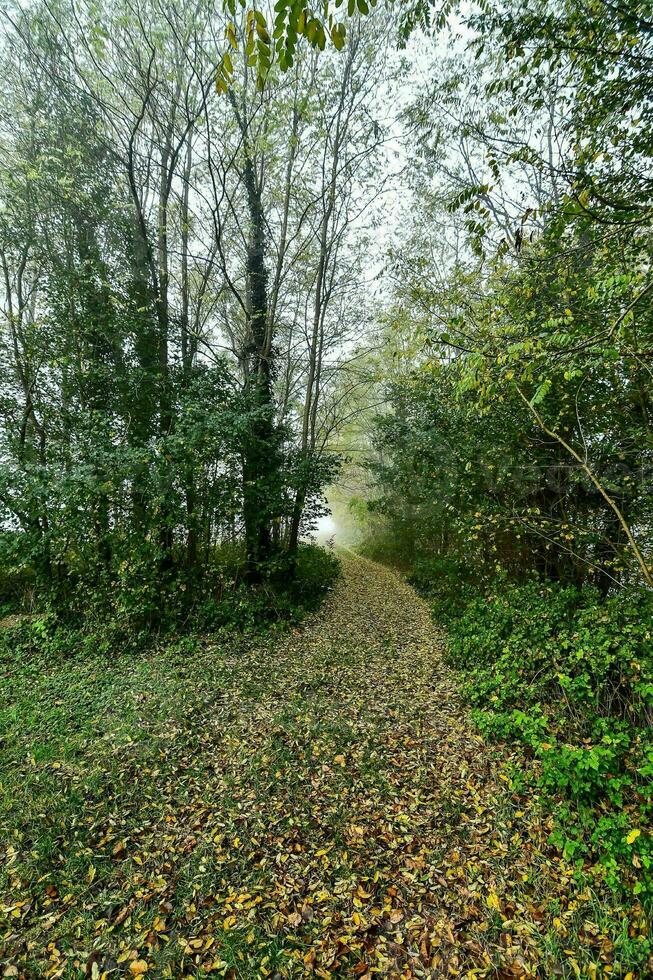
569, 676
123, 619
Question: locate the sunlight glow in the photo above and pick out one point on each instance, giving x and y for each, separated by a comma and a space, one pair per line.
326, 527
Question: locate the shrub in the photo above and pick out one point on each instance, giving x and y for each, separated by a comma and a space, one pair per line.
563, 644
228, 603
528, 727
570, 675
286, 595
448, 582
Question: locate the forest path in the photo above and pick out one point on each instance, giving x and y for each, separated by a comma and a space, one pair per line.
403, 850
385, 839
311, 801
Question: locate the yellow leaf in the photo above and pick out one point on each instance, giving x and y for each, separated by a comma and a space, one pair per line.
493, 901
632, 836
138, 968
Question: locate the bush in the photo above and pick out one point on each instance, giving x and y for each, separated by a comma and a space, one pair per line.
585, 772
570, 675
229, 603
528, 727
287, 595
386, 547
534, 643
448, 583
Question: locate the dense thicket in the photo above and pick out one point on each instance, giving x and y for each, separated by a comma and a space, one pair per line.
521, 430
177, 264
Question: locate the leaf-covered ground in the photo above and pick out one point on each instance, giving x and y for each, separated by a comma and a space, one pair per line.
313, 802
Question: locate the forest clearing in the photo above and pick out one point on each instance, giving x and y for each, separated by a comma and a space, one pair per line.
326, 489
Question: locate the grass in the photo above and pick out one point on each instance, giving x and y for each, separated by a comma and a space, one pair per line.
306, 800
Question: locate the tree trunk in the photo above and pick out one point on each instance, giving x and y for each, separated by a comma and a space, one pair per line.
260, 453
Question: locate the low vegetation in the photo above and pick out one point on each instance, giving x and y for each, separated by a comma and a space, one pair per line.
285, 802
571, 679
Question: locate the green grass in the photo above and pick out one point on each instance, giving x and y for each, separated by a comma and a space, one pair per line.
266, 803
103, 750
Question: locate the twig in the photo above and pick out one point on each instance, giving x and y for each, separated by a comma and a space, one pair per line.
596, 482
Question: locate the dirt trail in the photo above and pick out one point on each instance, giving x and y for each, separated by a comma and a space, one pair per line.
395, 847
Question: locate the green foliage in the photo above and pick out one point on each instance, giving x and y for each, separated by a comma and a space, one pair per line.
585, 773
515, 725
449, 582
290, 591
131, 455
568, 676
223, 599
275, 41
597, 52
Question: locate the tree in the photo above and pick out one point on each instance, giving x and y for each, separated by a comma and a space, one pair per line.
173, 265
531, 310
